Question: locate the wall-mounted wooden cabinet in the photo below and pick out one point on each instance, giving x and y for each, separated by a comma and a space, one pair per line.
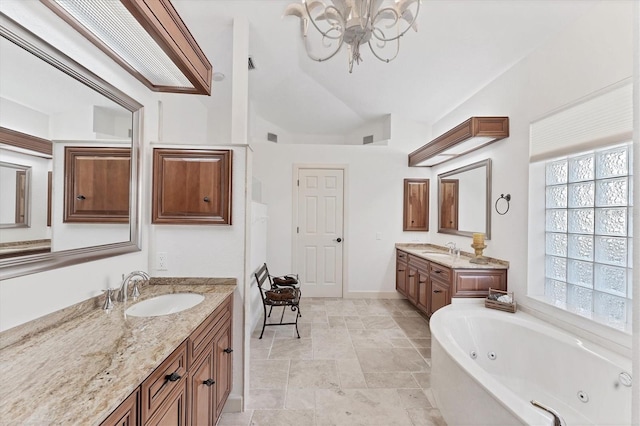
192, 186
416, 205
96, 186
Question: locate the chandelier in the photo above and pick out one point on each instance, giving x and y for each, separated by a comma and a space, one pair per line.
377, 23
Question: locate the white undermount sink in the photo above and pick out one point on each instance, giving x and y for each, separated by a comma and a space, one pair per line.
164, 304
436, 254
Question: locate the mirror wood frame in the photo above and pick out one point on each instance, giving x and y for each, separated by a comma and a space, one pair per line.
443, 177
30, 264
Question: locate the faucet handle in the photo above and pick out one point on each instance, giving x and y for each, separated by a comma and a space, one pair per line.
108, 301
136, 291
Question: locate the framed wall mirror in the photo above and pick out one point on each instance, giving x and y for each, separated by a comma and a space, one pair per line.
464, 200
47, 96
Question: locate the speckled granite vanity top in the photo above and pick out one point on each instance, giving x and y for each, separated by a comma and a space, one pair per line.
75, 366
439, 255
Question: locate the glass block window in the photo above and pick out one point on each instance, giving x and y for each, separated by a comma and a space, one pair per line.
588, 229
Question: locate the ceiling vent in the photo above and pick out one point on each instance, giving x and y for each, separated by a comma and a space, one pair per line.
252, 65
272, 137
367, 140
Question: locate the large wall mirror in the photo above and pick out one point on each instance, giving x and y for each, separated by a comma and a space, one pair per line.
47, 96
464, 200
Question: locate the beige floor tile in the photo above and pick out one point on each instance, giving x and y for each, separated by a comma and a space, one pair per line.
313, 374
423, 379
236, 419
378, 322
430, 397
268, 374
391, 360
283, 418
313, 317
300, 399
421, 343
426, 417
293, 348
349, 407
401, 342
350, 373
391, 381
353, 322
266, 399
337, 322
425, 352
259, 353
414, 327
414, 398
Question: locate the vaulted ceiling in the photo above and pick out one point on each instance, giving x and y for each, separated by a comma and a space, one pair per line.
460, 46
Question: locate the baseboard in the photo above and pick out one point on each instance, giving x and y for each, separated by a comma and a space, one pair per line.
233, 404
372, 295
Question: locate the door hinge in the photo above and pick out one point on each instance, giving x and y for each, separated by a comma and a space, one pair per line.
297, 230
298, 182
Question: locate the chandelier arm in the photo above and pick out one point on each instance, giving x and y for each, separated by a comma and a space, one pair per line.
410, 24
322, 58
333, 26
397, 40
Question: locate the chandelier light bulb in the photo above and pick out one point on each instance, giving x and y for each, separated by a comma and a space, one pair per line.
376, 23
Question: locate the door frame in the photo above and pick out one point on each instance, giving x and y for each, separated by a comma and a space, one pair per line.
345, 214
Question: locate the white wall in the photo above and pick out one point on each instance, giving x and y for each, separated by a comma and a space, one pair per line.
595, 52
373, 203
23, 119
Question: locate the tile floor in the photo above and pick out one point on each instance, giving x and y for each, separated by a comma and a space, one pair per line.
358, 362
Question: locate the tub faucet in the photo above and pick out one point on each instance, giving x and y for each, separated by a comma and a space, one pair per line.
122, 294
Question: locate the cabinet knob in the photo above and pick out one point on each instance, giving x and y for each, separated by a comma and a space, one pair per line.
209, 382
81, 197
437, 291
228, 350
173, 377
437, 272
206, 199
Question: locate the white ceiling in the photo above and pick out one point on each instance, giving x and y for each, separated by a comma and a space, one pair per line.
460, 46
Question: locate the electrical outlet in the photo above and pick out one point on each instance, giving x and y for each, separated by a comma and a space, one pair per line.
161, 261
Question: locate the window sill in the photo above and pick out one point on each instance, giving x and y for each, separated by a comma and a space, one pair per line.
617, 339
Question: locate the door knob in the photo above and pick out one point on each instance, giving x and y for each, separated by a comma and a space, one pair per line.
338, 239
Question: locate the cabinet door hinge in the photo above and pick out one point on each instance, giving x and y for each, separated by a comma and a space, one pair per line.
297, 230
298, 182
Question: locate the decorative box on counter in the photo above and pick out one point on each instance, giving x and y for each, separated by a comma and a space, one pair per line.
500, 300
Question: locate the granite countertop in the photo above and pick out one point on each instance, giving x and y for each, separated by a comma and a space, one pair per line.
439, 255
76, 365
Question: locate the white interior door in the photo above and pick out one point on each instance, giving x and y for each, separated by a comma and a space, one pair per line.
319, 231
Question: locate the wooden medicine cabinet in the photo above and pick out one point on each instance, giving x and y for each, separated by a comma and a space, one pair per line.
96, 187
192, 186
416, 205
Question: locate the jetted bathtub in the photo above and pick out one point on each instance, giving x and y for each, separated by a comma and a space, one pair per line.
488, 365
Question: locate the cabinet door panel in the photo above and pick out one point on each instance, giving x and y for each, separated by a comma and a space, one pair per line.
223, 365
477, 283
440, 295
424, 291
412, 284
173, 411
416, 205
203, 392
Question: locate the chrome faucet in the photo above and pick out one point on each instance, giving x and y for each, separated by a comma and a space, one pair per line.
451, 246
122, 294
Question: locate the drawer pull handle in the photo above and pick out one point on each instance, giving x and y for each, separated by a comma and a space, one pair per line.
437, 272
209, 382
228, 350
173, 377
412, 275
423, 281
206, 199
437, 291
81, 197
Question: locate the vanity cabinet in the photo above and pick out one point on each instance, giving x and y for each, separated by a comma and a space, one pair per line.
96, 184
192, 186
191, 386
430, 286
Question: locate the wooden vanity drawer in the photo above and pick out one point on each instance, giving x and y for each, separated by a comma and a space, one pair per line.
170, 375
440, 272
202, 337
419, 263
401, 256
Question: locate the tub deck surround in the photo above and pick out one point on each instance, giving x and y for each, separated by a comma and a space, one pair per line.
488, 365
418, 249
75, 366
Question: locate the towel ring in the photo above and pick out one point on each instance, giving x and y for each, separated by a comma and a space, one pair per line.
503, 210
